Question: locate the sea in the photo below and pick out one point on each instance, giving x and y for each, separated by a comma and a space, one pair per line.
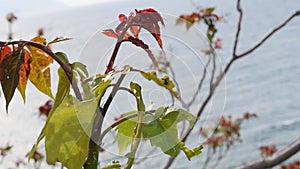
265, 82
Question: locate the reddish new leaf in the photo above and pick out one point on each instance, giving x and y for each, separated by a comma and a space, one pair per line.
119, 29
4, 50
122, 18
24, 74
110, 33
149, 19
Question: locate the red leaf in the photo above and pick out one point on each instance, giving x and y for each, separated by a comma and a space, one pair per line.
110, 33
3, 52
120, 27
149, 19
122, 18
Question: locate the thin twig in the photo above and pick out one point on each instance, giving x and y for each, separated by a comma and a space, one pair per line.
258, 44
237, 35
207, 158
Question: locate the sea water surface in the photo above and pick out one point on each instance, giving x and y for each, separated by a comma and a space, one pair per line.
266, 82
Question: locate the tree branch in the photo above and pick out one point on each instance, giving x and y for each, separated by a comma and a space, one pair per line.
276, 158
228, 66
258, 44
237, 35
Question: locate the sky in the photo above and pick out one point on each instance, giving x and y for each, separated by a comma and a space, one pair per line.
33, 6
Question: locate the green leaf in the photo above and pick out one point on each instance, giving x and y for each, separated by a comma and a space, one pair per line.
164, 82
63, 57
80, 69
125, 133
101, 88
59, 39
190, 153
67, 132
9, 71
63, 90
125, 130
40, 68
163, 132
179, 116
113, 165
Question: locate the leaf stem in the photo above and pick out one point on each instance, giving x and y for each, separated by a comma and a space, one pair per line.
139, 127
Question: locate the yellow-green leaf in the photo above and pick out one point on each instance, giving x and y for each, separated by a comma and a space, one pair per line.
40, 68
125, 133
63, 90
67, 133
165, 82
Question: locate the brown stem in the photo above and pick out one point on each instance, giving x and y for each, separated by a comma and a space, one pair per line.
113, 57
64, 66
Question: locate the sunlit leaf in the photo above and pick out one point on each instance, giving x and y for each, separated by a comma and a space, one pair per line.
63, 90
59, 39
9, 71
101, 87
125, 133
40, 68
24, 74
165, 82
67, 132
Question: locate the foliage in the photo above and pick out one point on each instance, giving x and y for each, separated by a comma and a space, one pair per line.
72, 122
206, 15
266, 151
224, 136
73, 131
